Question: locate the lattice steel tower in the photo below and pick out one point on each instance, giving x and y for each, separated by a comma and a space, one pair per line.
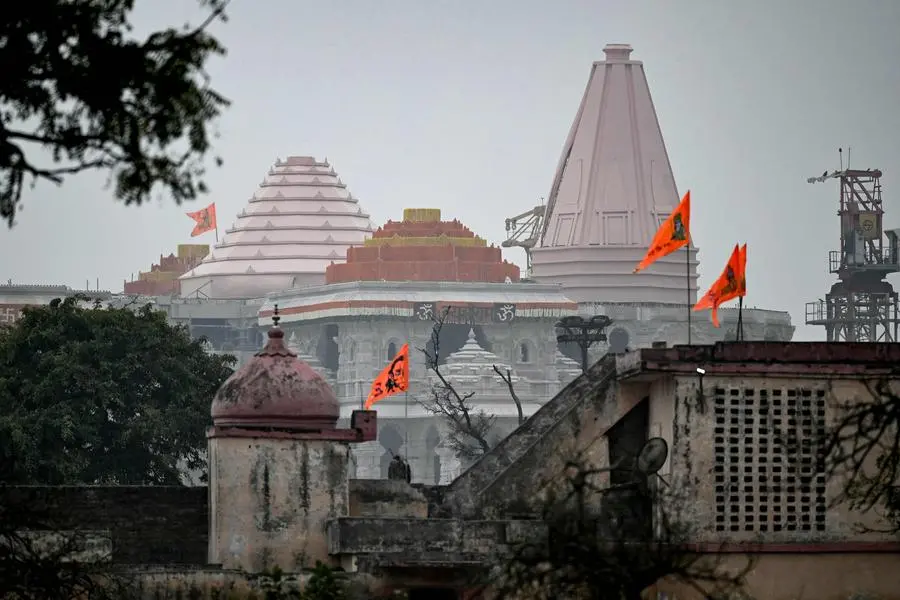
862, 306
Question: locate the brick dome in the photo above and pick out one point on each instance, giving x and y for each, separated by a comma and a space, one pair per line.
276, 390
422, 247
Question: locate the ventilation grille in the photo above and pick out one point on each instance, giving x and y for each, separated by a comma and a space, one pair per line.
760, 485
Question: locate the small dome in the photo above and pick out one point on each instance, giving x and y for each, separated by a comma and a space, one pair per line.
276, 390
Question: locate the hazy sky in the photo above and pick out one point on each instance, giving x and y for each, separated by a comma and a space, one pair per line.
465, 106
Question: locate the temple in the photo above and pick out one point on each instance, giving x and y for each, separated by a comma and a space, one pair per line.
389, 292
612, 189
301, 219
315, 303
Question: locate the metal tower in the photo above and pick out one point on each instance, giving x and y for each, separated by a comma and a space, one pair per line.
862, 306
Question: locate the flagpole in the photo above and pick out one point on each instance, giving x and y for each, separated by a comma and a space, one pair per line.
406, 425
687, 273
740, 323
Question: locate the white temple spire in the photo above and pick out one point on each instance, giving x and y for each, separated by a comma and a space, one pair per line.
612, 189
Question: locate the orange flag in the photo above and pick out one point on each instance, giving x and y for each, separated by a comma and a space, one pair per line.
732, 283
205, 218
392, 380
673, 234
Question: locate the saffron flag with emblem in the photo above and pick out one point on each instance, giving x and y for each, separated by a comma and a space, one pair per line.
674, 233
732, 283
205, 219
392, 380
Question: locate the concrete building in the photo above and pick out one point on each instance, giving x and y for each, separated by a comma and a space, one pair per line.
162, 278
14, 297
281, 493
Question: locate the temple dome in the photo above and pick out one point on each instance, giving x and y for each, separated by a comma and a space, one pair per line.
276, 390
301, 219
422, 247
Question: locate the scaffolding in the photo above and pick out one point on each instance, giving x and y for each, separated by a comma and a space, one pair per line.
861, 306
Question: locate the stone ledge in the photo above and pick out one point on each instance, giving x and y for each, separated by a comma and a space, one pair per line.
449, 542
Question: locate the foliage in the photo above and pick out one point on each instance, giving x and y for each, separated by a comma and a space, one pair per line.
323, 584
103, 395
468, 428
78, 85
608, 541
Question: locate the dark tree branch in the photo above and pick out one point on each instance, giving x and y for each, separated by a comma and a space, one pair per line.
468, 428
507, 379
862, 448
79, 86
600, 545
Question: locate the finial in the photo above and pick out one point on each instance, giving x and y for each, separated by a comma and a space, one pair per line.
275, 317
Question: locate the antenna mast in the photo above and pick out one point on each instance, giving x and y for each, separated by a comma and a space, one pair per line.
861, 306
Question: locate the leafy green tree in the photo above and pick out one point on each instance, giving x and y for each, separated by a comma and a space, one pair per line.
103, 395
77, 84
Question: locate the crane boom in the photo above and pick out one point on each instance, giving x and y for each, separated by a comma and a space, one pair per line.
525, 235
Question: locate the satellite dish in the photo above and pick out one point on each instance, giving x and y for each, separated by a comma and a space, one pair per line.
652, 456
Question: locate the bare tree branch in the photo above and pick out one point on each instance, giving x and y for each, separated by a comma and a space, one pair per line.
468, 427
862, 448
507, 379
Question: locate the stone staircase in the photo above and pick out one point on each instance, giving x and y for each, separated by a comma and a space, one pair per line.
462, 497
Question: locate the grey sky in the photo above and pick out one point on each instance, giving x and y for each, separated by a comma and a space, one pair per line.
465, 106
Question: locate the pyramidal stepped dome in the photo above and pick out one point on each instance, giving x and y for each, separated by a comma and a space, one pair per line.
300, 220
611, 191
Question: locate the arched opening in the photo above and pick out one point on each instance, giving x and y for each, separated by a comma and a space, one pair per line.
524, 353
391, 350
453, 337
618, 340
327, 350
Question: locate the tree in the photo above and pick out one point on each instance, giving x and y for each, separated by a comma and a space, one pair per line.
600, 543
103, 395
78, 85
468, 427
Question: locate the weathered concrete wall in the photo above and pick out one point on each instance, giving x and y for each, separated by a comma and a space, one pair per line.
800, 575
146, 524
386, 498
740, 466
270, 499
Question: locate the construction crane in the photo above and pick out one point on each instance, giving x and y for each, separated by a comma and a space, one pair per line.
861, 305
525, 234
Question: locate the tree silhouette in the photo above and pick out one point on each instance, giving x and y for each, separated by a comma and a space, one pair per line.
80, 86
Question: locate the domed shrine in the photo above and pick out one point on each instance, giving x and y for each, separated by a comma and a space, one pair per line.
275, 427
422, 247
275, 389
301, 218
